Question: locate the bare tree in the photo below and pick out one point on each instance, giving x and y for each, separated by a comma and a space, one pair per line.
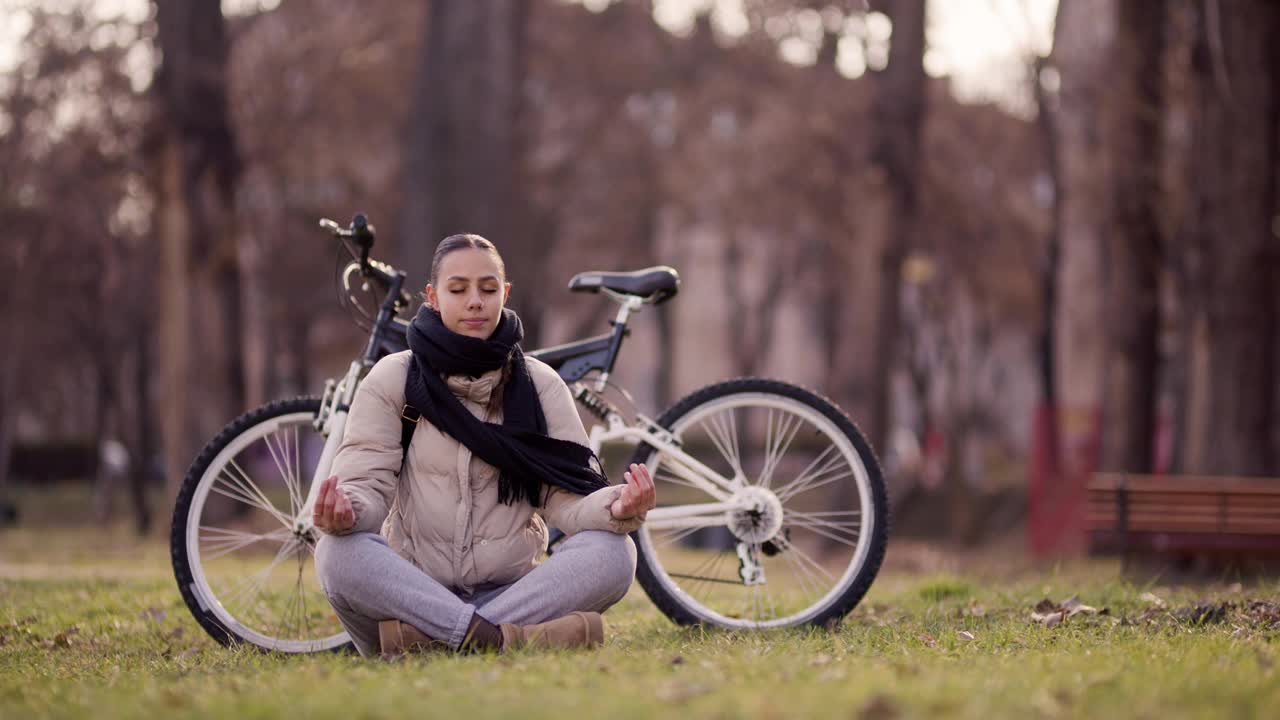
1133, 251
1083, 33
198, 168
898, 117
1231, 255
461, 167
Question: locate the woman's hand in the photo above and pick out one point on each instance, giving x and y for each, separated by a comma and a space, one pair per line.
638, 496
333, 511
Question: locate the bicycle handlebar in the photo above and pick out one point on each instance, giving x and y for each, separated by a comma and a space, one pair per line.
362, 234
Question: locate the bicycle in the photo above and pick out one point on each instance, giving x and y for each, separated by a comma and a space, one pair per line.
741, 538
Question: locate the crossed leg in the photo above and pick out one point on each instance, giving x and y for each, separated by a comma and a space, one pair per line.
366, 582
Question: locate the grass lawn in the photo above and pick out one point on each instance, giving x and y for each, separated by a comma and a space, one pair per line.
91, 625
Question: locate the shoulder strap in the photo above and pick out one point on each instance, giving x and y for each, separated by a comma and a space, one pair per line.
409, 418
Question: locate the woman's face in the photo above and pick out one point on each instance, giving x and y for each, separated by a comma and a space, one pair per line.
471, 292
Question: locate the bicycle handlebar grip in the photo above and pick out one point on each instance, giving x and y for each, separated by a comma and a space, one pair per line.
361, 231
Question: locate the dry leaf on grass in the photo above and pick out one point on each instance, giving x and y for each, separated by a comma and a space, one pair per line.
1048, 613
965, 635
820, 659
879, 707
63, 639
1153, 599
1204, 613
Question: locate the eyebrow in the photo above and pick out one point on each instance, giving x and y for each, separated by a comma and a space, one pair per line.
464, 278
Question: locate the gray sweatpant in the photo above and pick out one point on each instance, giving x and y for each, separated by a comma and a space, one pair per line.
366, 582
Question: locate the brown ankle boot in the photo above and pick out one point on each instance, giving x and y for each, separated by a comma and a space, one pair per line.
575, 630
398, 638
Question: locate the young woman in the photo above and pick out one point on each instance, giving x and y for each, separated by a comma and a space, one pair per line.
499, 449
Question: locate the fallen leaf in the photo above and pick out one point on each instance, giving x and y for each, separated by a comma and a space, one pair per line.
879, 707
1051, 619
1049, 613
63, 639
1153, 599
1148, 614
1073, 607
1235, 587
1204, 613
928, 639
965, 635
820, 659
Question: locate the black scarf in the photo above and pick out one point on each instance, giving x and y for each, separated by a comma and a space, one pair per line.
526, 457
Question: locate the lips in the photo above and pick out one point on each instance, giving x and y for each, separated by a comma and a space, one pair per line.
473, 322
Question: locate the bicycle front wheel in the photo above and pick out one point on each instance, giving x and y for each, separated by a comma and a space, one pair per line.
811, 517
242, 553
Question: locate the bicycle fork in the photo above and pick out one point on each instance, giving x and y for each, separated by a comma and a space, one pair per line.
331, 421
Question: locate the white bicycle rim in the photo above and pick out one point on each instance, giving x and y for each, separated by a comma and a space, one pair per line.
208, 599
759, 400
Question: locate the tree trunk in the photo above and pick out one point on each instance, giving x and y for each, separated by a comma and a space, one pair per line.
104, 490
198, 168
8, 421
1083, 33
1133, 252
461, 171
1234, 173
175, 315
898, 119
144, 441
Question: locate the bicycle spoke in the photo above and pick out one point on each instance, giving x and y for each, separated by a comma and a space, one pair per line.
724, 438
667, 476
787, 429
255, 584
247, 492
225, 540
676, 536
824, 523
708, 574
817, 467
297, 471
306, 617
827, 533
819, 478
804, 576
280, 456
792, 547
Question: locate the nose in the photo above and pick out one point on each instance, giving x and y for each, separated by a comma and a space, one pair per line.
475, 301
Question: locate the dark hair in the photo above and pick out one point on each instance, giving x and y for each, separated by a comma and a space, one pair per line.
462, 242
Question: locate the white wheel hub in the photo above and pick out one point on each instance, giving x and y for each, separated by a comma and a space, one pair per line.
761, 517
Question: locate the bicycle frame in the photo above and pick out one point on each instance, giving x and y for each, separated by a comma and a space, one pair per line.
572, 361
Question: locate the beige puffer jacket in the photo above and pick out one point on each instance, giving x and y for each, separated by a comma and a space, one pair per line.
443, 513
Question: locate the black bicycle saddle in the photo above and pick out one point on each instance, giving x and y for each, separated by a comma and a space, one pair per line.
656, 284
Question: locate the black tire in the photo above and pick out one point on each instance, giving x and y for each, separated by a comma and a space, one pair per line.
182, 562
649, 567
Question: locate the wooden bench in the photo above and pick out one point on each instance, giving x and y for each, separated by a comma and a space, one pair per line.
1182, 514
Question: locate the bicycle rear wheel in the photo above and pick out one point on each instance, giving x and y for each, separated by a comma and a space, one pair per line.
813, 539
243, 561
